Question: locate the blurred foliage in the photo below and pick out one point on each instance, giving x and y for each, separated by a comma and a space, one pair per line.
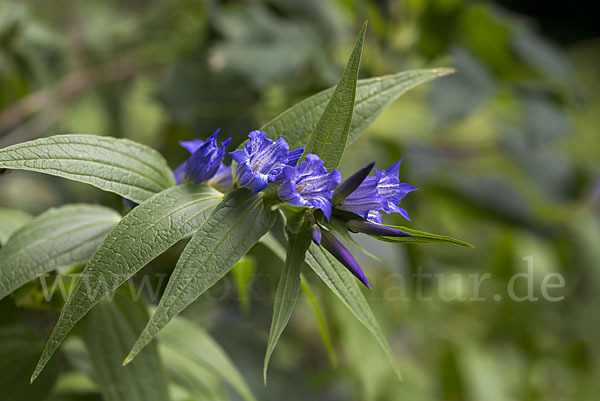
505, 153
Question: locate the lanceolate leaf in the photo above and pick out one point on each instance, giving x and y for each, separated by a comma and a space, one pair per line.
228, 233
124, 167
65, 236
142, 235
345, 286
288, 289
194, 345
373, 96
107, 331
421, 236
271, 242
10, 221
328, 138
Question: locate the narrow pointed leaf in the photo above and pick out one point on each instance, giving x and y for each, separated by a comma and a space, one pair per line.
271, 242
373, 96
288, 289
224, 238
329, 137
421, 236
189, 341
127, 168
345, 286
143, 234
106, 332
321, 321
10, 221
65, 236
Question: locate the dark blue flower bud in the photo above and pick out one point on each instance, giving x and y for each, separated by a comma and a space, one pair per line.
350, 184
339, 251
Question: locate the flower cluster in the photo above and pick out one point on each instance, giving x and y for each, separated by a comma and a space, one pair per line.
358, 201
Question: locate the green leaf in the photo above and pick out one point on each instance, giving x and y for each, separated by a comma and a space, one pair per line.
127, 168
330, 135
373, 96
242, 273
321, 321
271, 242
228, 233
189, 341
288, 289
10, 221
65, 236
19, 347
197, 382
421, 236
345, 286
143, 234
106, 332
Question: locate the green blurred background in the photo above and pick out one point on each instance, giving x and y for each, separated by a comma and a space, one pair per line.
505, 153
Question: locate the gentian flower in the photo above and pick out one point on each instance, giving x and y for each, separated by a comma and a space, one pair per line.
223, 179
309, 184
205, 160
260, 161
380, 193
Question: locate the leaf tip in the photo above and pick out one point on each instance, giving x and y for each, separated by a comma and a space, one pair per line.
443, 71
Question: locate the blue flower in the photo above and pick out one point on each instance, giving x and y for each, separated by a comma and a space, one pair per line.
294, 155
309, 184
205, 160
223, 179
380, 193
260, 161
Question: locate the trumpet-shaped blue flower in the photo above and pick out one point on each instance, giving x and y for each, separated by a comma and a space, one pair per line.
260, 161
383, 192
309, 184
205, 160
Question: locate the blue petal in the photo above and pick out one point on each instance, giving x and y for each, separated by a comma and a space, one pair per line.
241, 156
180, 172
294, 156
223, 179
205, 161
192, 146
261, 181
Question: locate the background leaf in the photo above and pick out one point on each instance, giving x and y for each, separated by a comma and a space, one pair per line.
345, 286
65, 236
10, 221
373, 96
107, 331
242, 272
421, 236
195, 346
288, 289
228, 233
127, 168
329, 137
19, 346
143, 234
